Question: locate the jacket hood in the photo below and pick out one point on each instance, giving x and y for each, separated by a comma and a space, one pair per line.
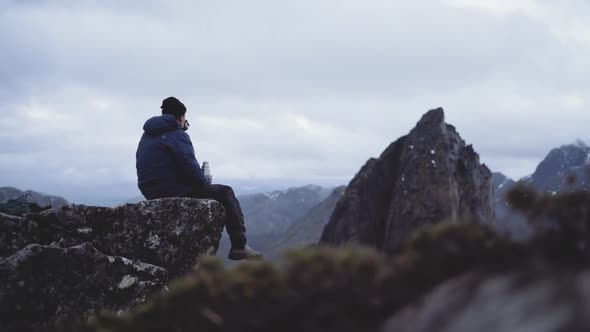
160, 124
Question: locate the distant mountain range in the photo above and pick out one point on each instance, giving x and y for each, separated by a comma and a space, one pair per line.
274, 212
42, 199
294, 217
564, 169
308, 229
270, 215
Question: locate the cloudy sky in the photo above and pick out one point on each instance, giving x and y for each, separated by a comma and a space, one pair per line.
282, 92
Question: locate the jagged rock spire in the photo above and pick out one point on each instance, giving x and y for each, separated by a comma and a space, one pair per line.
427, 176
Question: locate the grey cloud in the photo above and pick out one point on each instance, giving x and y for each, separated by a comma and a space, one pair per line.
303, 89
225, 48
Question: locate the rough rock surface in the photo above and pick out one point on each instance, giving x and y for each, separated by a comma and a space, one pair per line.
170, 232
64, 264
43, 285
523, 301
425, 177
16, 233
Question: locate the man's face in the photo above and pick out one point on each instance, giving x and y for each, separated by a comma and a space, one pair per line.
181, 121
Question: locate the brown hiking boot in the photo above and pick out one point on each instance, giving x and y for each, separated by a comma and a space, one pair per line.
245, 253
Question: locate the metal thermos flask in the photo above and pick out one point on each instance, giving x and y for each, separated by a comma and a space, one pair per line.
207, 171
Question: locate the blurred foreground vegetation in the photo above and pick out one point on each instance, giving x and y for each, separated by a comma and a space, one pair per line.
357, 289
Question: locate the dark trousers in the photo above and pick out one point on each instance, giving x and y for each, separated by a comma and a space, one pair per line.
234, 218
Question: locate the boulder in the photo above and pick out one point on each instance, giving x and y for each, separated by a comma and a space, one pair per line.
43, 286
60, 266
170, 232
425, 177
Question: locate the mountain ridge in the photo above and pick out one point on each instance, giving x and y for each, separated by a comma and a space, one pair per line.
43, 199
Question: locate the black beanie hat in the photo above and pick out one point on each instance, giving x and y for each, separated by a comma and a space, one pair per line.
173, 106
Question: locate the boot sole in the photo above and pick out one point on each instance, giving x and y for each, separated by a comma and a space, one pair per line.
240, 255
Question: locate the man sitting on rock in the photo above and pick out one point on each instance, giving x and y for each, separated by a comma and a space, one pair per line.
167, 167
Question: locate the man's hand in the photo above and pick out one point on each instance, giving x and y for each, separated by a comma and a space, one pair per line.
210, 178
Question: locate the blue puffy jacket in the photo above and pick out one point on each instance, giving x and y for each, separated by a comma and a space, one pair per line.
165, 160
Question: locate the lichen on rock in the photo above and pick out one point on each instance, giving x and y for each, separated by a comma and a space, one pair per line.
42, 286
63, 265
16, 233
170, 232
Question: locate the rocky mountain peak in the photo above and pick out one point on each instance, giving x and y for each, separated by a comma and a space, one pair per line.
563, 169
432, 119
424, 177
563, 158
